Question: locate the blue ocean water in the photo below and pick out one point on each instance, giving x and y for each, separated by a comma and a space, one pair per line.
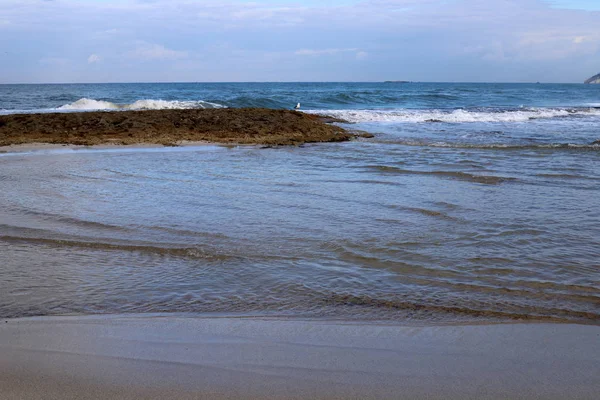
471, 202
413, 113
313, 96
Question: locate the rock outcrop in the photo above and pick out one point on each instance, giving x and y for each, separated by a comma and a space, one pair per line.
170, 127
594, 79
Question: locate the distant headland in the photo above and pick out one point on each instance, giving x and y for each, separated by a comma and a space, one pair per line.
396, 81
594, 79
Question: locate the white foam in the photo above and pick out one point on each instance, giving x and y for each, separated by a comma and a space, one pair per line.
146, 104
456, 116
164, 104
89, 104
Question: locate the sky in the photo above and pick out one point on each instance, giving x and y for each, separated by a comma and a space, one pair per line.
62, 41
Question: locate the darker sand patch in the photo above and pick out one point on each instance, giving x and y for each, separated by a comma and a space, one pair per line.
170, 127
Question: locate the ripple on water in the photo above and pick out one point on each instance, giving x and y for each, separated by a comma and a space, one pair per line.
296, 232
463, 176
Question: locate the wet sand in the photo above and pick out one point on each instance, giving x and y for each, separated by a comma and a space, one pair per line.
170, 127
162, 356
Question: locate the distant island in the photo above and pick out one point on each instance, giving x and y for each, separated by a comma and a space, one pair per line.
593, 79
396, 82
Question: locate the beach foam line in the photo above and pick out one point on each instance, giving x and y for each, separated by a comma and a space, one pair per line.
170, 356
501, 146
455, 116
146, 104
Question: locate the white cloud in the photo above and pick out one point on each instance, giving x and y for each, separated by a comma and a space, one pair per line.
148, 51
93, 58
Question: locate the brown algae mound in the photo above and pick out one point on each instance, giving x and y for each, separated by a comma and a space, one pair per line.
170, 127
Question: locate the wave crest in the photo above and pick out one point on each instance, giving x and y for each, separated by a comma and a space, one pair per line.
86, 104
89, 104
456, 116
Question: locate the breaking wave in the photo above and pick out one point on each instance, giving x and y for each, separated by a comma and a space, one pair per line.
457, 116
147, 104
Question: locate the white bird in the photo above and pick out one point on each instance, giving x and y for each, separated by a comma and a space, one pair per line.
297, 106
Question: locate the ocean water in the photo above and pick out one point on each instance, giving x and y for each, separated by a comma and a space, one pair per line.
473, 202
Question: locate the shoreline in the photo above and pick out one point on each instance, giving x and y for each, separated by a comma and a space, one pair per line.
224, 357
168, 127
49, 147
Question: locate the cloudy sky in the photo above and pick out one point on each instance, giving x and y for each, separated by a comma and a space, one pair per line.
310, 40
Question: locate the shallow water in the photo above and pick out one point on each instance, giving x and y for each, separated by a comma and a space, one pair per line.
429, 221
364, 230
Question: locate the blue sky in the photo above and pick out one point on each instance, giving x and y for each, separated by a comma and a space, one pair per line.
576, 4
278, 40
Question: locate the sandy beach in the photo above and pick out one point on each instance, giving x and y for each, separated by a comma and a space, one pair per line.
300, 200
249, 358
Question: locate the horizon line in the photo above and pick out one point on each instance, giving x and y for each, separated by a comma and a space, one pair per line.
232, 82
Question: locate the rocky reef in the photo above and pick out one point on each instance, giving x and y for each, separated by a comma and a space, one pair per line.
171, 127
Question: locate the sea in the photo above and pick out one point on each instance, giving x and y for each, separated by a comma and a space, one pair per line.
472, 203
